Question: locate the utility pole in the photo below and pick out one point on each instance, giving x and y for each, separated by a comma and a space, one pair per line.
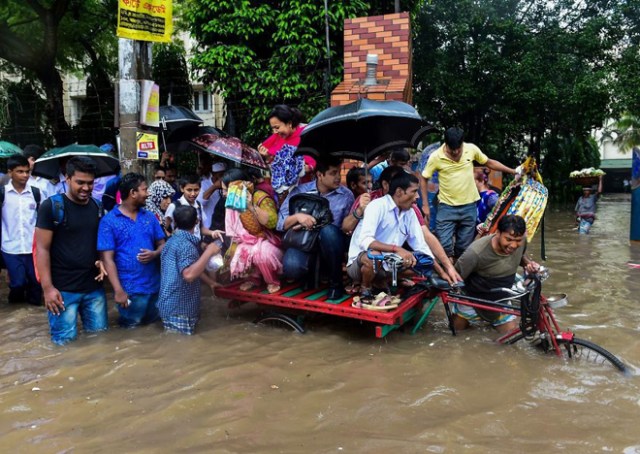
134, 63
328, 56
635, 195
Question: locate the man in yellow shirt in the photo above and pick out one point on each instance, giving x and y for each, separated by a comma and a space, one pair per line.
456, 221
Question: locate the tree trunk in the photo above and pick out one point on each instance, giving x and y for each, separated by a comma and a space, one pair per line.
54, 107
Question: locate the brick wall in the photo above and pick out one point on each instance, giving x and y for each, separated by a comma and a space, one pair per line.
388, 36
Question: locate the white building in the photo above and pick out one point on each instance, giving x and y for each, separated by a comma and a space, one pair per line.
207, 104
615, 162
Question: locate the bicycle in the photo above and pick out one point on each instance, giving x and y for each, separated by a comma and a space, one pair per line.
537, 321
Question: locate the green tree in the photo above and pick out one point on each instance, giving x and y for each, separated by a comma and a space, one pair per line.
517, 75
22, 109
626, 132
627, 76
171, 73
262, 53
41, 38
265, 52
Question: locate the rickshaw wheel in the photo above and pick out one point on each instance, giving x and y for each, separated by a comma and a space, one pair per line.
278, 320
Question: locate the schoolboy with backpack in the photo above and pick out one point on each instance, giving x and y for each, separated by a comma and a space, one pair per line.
19, 204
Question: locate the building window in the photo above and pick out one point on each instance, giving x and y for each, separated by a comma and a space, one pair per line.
202, 101
76, 111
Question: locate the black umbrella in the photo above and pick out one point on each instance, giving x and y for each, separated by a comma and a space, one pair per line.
363, 129
181, 140
173, 118
191, 132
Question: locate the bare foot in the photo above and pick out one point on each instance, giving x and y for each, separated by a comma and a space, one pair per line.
248, 285
273, 288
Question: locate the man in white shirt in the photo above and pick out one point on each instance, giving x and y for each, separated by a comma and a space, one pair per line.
388, 223
32, 153
211, 191
19, 211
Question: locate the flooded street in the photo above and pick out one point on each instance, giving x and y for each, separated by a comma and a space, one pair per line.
240, 388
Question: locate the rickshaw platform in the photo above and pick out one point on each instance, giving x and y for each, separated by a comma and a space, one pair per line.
295, 297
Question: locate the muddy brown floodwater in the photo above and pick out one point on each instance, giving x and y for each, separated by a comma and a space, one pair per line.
237, 387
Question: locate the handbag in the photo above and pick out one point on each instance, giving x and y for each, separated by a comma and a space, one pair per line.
314, 205
249, 220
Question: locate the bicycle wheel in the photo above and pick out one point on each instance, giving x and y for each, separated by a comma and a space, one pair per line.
584, 350
279, 321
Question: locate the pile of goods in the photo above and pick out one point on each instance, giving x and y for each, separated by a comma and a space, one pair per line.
586, 177
526, 197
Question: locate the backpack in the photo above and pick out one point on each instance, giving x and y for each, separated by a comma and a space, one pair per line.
58, 209
34, 190
37, 196
58, 215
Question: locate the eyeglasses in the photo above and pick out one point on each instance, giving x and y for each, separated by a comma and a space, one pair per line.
159, 178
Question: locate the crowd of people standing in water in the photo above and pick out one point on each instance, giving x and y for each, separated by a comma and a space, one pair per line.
157, 243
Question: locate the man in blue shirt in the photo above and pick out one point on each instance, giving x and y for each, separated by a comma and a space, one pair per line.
399, 157
333, 242
130, 240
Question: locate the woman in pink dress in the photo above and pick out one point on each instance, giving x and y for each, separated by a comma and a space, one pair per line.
256, 251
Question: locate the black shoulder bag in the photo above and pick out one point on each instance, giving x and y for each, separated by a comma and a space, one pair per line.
314, 205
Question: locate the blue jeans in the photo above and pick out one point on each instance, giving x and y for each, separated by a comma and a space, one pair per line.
141, 310
93, 312
298, 265
459, 222
433, 210
23, 285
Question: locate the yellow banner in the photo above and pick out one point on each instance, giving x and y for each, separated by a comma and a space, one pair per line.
150, 103
147, 145
145, 20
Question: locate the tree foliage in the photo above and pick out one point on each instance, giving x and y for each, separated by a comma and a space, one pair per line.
262, 53
22, 109
171, 73
40, 38
518, 76
626, 132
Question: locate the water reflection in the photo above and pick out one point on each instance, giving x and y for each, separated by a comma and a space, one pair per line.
235, 387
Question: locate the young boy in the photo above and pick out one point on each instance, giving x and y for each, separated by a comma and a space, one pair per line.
358, 182
19, 211
180, 267
190, 187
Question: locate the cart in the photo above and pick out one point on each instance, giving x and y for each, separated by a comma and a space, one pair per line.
295, 299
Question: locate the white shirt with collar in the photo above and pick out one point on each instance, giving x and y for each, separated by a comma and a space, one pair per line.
18, 220
46, 188
209, 204
384, 222
182, 201
61, 186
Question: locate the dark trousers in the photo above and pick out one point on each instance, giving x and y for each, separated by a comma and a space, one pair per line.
23, 285
300, 265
